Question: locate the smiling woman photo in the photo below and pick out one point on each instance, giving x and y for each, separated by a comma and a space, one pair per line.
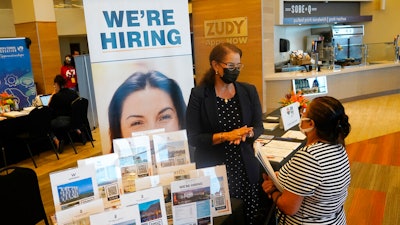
146, 101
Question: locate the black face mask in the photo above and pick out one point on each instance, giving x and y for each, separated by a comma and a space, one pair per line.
230, 76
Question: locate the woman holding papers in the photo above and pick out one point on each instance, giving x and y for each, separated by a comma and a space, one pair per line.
316, 178
223, 118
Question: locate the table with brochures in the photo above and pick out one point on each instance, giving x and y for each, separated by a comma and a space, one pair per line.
278, 134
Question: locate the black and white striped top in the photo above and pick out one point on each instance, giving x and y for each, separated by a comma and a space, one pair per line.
321, 173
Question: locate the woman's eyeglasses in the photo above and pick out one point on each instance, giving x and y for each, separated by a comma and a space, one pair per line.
233, 66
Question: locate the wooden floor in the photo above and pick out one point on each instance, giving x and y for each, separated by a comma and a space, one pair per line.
373, 147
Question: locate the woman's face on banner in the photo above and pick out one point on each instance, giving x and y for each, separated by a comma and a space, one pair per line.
148, 109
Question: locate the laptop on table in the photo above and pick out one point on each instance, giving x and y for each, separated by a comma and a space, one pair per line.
44, 99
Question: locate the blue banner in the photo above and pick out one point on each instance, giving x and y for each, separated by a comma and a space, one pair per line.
16, 71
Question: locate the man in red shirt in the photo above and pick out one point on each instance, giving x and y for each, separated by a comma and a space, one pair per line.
69, 73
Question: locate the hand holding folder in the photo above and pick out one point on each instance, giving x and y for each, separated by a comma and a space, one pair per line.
267, 166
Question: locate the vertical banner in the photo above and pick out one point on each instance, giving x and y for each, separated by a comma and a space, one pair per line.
16, 71
147, 41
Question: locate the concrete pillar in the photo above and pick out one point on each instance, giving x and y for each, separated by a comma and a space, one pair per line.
36, 20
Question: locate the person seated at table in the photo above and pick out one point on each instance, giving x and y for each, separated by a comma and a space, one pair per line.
60, 103
315, 180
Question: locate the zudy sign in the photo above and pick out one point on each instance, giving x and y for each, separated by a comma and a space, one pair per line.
233, 30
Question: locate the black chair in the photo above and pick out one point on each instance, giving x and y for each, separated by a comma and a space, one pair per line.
80, 119
20, 197
38, 130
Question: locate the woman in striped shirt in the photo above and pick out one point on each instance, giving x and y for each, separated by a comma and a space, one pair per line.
316, 179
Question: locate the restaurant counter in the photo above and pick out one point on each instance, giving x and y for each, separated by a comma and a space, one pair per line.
346, 84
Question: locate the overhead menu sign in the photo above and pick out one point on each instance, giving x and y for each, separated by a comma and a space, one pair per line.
322, 13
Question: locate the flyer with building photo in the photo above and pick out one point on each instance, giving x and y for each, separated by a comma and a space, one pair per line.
108, 176
220, 198
191, 201
74, 186
165, 177
134, 159
149, 204
171, 149
162, 180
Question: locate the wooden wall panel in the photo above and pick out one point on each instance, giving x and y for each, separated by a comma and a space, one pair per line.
50, 49
29, 30
44, 51
204, 10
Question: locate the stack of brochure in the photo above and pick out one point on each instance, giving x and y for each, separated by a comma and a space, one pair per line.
270, 126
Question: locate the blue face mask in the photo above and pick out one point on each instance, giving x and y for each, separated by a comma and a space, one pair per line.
230, 76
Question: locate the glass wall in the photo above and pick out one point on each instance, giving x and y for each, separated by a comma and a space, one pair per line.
380, 52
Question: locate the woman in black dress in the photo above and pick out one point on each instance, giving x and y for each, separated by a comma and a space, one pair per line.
223, 119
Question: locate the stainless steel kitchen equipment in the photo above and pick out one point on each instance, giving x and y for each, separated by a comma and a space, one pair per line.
342, 44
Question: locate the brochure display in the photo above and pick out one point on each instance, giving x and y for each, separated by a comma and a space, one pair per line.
191, 201
148, 203
171, 149
220, 198
95, 191
134, 159
74, 186
108, 177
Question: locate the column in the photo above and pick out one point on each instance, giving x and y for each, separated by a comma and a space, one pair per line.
36, 20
